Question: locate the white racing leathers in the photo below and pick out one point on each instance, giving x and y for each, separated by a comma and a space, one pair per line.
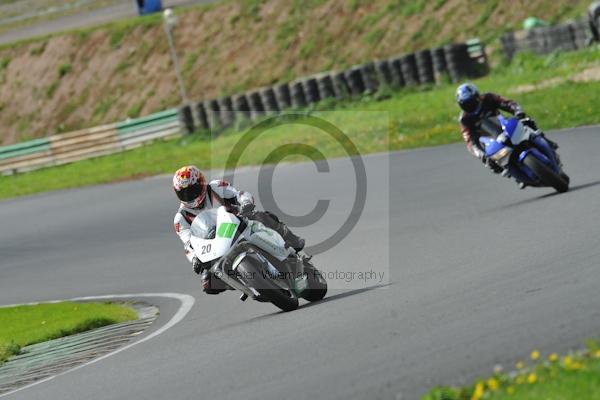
219, 193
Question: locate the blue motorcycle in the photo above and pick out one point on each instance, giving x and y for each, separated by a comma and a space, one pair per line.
523, 153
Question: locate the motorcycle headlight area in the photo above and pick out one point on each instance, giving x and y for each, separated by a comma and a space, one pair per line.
501, 157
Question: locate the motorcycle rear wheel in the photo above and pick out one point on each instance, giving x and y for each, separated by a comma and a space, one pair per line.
317, 285
546, 175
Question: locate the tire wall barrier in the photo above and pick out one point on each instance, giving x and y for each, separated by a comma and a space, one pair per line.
573, 35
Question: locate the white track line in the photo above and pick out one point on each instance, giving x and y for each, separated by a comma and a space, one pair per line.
186, 300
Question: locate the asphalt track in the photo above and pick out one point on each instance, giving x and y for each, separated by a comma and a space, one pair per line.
84, 19
480, 274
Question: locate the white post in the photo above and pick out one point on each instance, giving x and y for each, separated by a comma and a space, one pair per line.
170, 20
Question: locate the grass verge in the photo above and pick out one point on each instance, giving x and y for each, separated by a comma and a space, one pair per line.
560, 98
572, 377
24, 325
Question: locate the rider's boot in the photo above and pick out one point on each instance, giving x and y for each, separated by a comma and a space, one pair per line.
522, 185
297, 243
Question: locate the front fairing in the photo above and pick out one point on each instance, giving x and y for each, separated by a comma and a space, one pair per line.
213, 242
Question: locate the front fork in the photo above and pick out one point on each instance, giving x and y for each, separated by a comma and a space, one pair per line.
548, 151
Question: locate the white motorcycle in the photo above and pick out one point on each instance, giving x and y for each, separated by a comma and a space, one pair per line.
249, 257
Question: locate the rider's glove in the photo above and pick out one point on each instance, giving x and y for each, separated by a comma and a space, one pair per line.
520, 114
199, 266
246, 208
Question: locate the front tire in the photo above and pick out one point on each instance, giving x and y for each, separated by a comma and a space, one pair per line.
253, 275
546, 175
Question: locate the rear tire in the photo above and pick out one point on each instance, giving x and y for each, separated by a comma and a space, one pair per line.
546, 175
267, 288
317, 285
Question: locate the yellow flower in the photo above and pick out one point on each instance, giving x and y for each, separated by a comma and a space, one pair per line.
535, 355
597, 354
520, 380
479, 391
567, 360
553, 357
531, 378
492, 383
510, 390
520, 365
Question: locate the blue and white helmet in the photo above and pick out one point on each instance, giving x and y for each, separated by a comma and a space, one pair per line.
468, 98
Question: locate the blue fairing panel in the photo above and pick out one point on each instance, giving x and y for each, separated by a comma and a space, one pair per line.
493, 147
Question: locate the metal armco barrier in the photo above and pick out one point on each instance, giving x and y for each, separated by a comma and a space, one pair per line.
88, 143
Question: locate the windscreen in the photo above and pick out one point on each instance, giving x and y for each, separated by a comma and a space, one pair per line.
205, 224
491, 126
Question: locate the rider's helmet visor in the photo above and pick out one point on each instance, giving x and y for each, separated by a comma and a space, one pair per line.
190, 193
470, 105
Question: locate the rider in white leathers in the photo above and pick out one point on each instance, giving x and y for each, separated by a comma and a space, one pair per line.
197, 196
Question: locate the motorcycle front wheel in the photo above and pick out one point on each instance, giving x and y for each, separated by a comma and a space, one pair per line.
254, 275
546, 175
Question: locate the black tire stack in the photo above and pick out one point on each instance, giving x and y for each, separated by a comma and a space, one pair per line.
384, 73
226, 111
269, 101
213, 115
438, 60
570, 36
241, 106
369, 78
581, 33
425, 67
186, 119
200, 117
257, 109
408, 65
341, 88
458, 61
297, 94
311, 90
355, 81
396, 69
325, 83
282, 92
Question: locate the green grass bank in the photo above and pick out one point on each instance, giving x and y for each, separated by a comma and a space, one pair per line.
29, 324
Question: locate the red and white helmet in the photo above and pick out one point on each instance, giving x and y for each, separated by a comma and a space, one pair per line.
190, 186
